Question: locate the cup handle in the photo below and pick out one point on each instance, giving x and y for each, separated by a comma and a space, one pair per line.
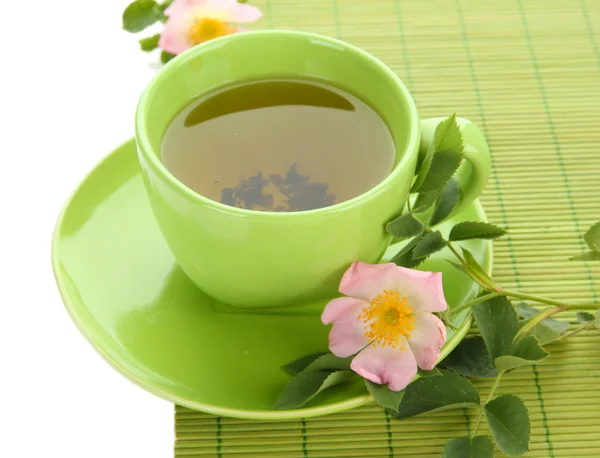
474, 173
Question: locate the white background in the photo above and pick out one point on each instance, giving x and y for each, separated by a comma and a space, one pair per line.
69, 82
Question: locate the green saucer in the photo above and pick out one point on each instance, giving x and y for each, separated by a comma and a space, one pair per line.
133, 303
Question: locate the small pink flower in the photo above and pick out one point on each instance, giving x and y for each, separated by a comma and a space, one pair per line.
387, 319
192, 22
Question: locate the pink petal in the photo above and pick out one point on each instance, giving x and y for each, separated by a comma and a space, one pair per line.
173, 38
382, 365
366, 281
424, 290
221, 4
178, 7
427, 339
243, 13
347, 336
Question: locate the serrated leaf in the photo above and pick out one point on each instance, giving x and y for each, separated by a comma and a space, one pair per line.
405, 226
431, 243
307, 385
446, 203
432, 373
150, 43
383, 396
471, 358
466, 447
475, 269
329, 361
140, 14
426, 200
525, 352
475, 230
443, 166
431, 394
592, 237
547, 330
404, 257
589, 256
297, 366
585, 317
508, 420
166, 56
498, 323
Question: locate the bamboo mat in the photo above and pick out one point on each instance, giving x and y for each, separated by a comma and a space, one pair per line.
528, 72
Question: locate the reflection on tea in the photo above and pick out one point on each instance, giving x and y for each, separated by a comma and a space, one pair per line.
279, 145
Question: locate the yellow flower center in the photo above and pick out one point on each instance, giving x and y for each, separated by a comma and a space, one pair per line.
387, 319
205, 28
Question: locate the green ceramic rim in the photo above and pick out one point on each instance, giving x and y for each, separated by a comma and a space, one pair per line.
97, 341
145, 149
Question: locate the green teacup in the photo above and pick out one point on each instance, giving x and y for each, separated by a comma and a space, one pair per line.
260, 259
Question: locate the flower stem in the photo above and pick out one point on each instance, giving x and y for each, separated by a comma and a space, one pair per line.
579, 329
545, 300
476, 301
489, 398
538, 319
457, 254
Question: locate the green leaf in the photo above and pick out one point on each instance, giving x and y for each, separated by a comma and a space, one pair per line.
404, 257
589, 256
432, 373
429, 244
443, 166
405, 226
585, 317
466, 447
150, 43
498, 323
475, 230
508, 420
383, 396
547, 330
140, 14
477, 271
166, 57
307, 385
592, 237
471, 358
525, 352
297, 366
430, 394
426, 200
330, 362
446, 203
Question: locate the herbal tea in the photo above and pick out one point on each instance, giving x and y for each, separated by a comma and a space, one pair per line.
279, 145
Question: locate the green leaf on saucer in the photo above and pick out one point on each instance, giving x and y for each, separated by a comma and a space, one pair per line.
525, 352
448, 137
383, 396
477, 271
585, 317
166, 56
589, 256
425, 200
329, 361
498, 324
431, 394
546, 331
475, 230
508, 420
307, 385
404, 258
592, 237
432, 373
467, 447
471, 358
150, 43
443, 166
140, 14
297, 366
429, 244
447, 202
404, 226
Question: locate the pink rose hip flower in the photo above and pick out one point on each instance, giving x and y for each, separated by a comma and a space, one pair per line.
192, 22
387, 319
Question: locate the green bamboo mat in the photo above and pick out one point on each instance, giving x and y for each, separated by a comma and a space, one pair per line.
528, 72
